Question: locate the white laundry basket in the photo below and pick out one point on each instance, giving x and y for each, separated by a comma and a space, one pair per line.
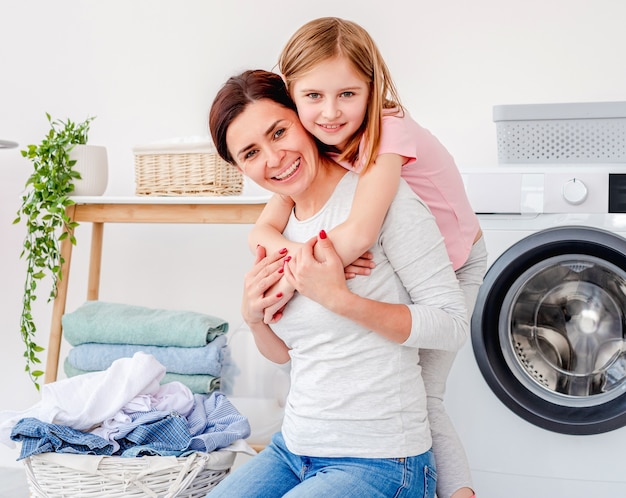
575, 133
56, 475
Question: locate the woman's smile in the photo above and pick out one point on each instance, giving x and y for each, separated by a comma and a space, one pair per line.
288, 173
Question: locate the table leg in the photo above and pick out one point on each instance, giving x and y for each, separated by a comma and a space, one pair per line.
95, 262
58, 308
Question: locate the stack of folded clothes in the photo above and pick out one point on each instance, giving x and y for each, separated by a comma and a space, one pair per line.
190, 345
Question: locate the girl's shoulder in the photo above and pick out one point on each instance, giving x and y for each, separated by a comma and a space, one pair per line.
399, 133
399, 119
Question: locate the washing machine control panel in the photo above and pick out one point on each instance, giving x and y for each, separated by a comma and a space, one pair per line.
504, 190
571, 192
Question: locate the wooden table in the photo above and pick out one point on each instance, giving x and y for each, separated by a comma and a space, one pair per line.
101, 210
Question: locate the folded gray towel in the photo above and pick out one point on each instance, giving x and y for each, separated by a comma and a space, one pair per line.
112, 323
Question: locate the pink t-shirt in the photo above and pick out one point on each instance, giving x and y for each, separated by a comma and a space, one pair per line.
433, 175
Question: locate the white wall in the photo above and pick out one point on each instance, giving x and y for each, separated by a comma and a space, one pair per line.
148, 70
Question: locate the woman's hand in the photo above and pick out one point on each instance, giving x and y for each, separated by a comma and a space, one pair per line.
267, 270
321, 280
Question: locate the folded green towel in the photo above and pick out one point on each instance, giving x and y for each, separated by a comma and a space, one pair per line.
111, 323
197, 384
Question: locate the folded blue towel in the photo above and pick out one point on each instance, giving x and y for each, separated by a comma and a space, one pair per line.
203, 360
111, 323
198, 384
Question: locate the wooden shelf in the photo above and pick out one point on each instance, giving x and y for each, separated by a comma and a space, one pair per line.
101, 210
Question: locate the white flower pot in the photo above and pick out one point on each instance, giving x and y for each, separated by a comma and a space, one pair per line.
93, 166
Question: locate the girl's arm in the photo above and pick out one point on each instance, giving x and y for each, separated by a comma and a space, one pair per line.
267, 230
375, 191
352, 238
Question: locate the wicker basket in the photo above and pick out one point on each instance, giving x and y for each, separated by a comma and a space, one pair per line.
184, 169
55, 475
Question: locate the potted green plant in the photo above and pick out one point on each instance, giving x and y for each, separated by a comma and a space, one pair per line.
43, 211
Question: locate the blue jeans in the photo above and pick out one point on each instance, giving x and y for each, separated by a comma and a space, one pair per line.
276, 472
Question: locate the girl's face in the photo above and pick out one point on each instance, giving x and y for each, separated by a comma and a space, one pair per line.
270, 146
332, 101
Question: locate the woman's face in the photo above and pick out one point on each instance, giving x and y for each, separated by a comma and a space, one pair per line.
272, 148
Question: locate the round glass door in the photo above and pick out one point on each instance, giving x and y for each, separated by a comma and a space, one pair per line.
548, 329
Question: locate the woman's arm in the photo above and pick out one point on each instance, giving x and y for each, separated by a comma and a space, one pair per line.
263, 275
437, 318
320, 278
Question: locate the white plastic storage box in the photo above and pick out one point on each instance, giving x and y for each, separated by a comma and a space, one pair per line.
581, 133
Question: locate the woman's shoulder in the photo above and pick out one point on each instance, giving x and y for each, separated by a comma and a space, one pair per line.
405, 198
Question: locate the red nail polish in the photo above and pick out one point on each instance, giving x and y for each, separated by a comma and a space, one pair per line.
287, 259
322, 234
280, 270
283, 250
280, 294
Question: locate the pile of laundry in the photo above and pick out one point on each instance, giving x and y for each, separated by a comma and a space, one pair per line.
125, 411
191, 345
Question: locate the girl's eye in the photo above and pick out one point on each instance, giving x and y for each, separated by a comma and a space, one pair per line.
314, 96
347, 94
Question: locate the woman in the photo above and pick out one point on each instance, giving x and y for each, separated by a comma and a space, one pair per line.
355, 419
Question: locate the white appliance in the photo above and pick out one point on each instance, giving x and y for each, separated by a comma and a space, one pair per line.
538, 395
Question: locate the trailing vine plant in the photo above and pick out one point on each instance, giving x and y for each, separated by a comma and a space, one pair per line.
43, 211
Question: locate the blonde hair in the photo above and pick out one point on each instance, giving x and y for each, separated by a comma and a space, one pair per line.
329, 37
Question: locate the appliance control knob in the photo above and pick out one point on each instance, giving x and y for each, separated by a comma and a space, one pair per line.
574, 192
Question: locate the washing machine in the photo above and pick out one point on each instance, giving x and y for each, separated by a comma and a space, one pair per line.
538, 395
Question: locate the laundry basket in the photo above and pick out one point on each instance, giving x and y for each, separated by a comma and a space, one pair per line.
185, 169
583, 133
56, 475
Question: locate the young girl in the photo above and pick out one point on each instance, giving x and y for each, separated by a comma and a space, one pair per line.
345, 97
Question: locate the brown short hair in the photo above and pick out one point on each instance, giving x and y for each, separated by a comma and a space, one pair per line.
235, 95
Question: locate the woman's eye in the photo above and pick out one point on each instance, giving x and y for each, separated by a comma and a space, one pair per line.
250, 154
279, 132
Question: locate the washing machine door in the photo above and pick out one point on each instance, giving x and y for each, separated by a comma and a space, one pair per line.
548, 329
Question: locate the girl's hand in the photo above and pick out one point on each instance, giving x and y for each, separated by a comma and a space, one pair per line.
283, 291
321, 280
361, 266
267, 270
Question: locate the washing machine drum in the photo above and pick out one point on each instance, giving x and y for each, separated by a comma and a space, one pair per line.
548, 329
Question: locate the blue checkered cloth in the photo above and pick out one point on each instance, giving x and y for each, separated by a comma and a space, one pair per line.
215, 423
39, 437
